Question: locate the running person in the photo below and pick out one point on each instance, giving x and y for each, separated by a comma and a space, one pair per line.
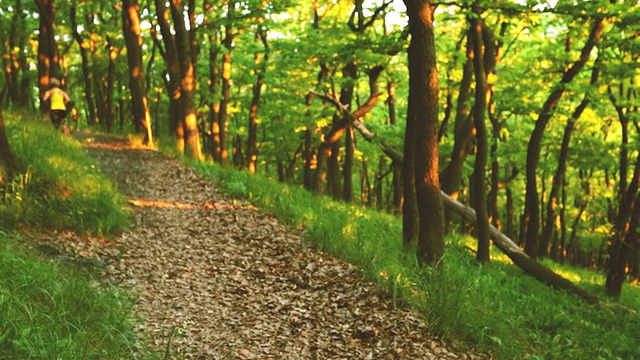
58, 99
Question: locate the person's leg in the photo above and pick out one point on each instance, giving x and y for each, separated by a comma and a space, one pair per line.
55, 118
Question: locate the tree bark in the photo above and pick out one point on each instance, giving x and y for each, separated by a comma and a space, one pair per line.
8, 165
558, 178
14, 61
521, 259
137, 81
86, 73
47, 47
423, 114
451, 177
173, 67
223, 115
479, 112
189, 118
252, 140
621, 244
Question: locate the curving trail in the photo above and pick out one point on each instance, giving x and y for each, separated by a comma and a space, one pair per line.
218, 279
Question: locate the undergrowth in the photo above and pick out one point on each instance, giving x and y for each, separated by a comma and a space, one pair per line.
60, 188
50, 311
494, 309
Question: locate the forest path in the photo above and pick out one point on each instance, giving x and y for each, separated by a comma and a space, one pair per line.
221, 280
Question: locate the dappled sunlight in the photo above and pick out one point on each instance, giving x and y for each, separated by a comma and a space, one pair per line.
184, 206
117, 145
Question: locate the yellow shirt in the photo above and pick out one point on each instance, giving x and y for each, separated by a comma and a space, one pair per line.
57, 99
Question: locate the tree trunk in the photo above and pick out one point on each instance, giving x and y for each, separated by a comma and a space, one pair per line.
479, 112
347, 171
175, 76
252, 140
308, 160
137, 81
187, 82
521, 259
463, 134
47, 47
8, 165
86, 73
558, 178
531, 216
350, 72
423, 113
109, 107
214, 106
620, 245
14, 61
223, 116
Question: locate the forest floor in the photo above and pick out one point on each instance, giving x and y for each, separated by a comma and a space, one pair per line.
216, 278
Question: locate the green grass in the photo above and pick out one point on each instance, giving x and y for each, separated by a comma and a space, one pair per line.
50, 311
61, 187
495, 308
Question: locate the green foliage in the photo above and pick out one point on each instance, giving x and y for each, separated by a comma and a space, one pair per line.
48, 311
61, 188
495, 308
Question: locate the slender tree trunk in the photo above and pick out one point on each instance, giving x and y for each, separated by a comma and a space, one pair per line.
86, 73
349, 158
622, 244
350, 72
109, 107
13, 61
137, 81
396, 182
423, 112
558, 178
214, 106
463, 134
252, 141
531, 216
308, 160
223, 117
479, 112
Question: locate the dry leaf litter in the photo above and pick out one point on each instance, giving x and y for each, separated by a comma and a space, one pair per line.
215, 278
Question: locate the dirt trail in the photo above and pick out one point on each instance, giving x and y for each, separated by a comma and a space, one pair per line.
218, 279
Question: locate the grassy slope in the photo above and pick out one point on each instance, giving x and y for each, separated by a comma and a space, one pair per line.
47, 310
495, 308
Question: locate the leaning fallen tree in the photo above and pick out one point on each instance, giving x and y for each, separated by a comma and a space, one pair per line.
502, 242
519, 257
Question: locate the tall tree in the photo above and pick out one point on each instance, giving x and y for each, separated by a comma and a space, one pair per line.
477, 55
137, 81
223, 109
47, 46
422, 117
559, 176
187, 80
14, 59
261, 61
176, 128
86, 73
